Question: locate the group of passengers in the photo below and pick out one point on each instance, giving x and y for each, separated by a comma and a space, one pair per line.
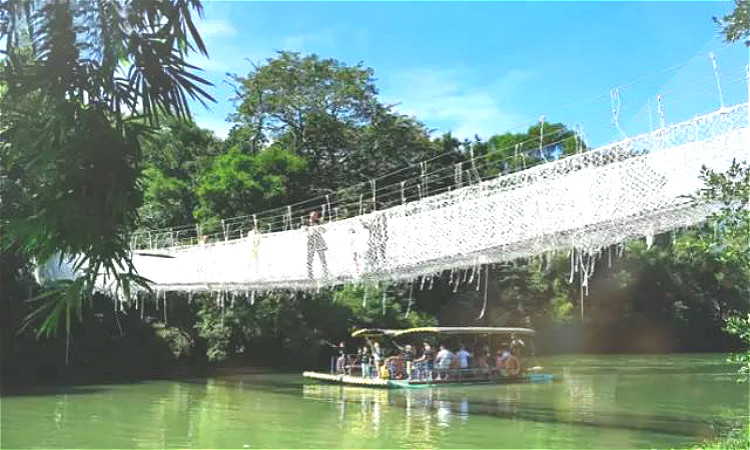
443, 365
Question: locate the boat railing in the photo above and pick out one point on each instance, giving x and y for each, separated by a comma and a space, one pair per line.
421, 371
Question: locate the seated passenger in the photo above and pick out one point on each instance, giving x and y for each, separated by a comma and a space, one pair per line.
384, 372
396, 366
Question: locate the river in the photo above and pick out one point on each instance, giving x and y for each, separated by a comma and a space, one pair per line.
612, 401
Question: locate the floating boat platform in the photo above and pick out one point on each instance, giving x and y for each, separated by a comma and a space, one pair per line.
352, 380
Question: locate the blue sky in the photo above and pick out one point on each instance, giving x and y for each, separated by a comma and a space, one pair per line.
490, 67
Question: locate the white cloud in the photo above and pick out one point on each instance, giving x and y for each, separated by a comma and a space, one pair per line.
326, 39
217, 125
216, 28
309, 40
455, 100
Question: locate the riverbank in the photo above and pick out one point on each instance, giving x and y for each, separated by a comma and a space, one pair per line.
736, 439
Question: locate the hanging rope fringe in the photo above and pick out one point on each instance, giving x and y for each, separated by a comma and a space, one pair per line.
411, 299
572, 265
484, 301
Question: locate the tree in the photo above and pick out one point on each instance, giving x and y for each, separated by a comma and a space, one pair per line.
238, 183
328, 113
542, 142
721, 249
175, 157
84, 82
736, 25
291, 92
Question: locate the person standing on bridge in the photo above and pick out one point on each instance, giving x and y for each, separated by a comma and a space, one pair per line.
315, 244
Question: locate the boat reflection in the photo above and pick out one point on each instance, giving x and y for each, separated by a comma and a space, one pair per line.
433, 404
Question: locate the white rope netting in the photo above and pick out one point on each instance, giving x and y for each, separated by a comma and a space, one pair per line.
632, 188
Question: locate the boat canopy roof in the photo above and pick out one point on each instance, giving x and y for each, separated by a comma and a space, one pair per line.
379, 332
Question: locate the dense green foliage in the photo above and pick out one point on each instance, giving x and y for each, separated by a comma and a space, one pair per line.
82, 83
174, 158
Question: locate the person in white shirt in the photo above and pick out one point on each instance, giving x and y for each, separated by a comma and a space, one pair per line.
443, 362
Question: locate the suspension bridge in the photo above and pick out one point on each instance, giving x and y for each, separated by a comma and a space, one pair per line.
636, 187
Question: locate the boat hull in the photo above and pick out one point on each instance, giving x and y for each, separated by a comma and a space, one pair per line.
351, 380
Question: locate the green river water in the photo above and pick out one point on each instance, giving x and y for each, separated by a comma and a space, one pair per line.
615, 401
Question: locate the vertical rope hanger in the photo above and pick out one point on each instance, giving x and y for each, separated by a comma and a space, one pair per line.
484, 302
458, 175
474, 171
718, 79
423, 178
614, 97
582, 137
541, 139
660, 111
403, 196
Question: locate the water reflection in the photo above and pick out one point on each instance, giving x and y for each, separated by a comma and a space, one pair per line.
595, 403
605, 407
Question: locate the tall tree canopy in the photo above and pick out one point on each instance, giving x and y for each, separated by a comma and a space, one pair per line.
329, 114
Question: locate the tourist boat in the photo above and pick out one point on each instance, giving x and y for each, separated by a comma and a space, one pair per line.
496, 357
